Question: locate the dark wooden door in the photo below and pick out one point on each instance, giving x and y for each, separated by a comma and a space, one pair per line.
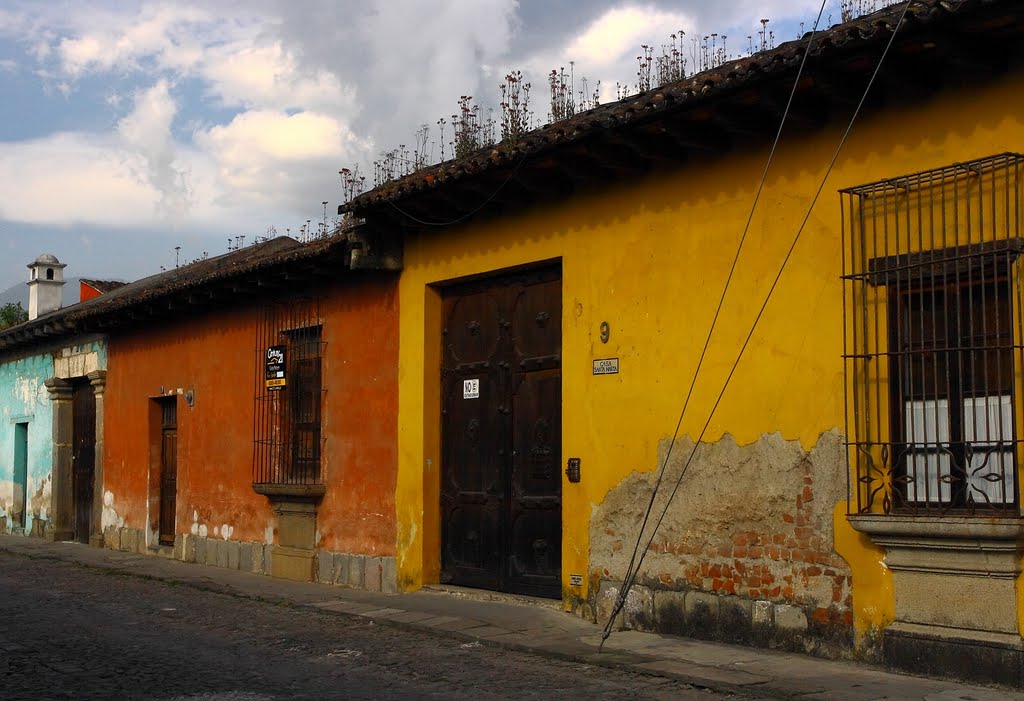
501, 510
168, 468
83, 457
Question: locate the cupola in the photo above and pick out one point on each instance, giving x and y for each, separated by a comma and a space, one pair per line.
45, 280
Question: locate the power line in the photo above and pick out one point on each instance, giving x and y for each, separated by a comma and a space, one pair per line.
620, 602
626, 585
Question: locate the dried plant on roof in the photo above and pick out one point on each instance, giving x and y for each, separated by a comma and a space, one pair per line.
683, 55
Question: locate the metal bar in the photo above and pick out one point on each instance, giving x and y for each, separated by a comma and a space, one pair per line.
858, 242
906, 182
953, 298
846, 362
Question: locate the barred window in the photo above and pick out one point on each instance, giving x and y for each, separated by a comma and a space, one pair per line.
933, 339
303, 399
289, 395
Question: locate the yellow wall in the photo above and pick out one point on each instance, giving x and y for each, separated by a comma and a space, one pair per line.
650, 258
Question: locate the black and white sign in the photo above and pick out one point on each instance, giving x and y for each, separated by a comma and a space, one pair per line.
606, 366
471, 389
275, 368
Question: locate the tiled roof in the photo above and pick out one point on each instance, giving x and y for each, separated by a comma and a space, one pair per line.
201, 278
704, 90
102, 286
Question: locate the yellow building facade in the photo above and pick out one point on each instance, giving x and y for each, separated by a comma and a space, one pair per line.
763, 542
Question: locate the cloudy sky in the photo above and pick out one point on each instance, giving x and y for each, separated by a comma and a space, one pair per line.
127, 129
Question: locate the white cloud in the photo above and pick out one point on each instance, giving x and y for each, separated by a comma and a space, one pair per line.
243, 74
233, 115
106, 40
146, 132
266, 154
606, 49
406, 62
67, 178
618, 34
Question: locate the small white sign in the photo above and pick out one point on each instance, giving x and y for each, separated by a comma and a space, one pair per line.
576, 580
606, 366
471, 389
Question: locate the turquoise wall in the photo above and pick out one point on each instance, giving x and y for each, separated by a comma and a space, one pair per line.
24, 400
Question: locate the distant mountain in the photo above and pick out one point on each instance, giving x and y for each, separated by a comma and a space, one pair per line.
19, 293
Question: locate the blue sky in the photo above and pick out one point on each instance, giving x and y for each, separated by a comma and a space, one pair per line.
129, 128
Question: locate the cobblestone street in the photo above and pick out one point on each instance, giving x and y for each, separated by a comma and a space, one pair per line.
74, 632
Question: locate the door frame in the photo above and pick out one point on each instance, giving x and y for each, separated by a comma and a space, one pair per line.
155, 405
60, 387
168, 407
433, 399
83, 512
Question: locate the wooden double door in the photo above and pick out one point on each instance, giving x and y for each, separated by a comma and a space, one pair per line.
501, 507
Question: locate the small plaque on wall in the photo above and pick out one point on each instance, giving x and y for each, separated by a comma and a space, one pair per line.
606, 366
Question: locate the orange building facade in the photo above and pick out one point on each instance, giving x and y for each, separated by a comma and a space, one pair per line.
186, 424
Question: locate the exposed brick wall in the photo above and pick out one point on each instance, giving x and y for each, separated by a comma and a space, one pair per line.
774, 547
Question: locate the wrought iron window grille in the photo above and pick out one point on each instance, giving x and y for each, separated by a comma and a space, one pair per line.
288, 441
932, 339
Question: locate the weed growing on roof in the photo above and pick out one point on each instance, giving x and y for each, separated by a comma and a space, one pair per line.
680, 56
851, 9
516, 117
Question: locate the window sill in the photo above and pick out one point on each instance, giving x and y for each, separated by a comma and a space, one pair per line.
938, 527
955, 572
949, 545
291, 491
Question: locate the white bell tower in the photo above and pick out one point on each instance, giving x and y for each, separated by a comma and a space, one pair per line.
46, 278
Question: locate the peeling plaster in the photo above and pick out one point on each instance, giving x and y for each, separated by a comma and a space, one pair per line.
110, 518
26, 390
39, 499
24, 399
764, 505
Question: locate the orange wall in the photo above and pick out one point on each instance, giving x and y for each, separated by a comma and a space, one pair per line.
214, 354
86, 291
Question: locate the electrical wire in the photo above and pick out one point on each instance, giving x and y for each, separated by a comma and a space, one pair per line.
626, 585
620, 602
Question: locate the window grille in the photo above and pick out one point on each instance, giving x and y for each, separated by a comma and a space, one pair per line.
289, 409
932, 339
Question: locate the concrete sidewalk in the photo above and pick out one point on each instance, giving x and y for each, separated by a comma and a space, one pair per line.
539, 627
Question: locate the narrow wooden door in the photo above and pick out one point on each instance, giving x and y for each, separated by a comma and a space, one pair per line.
168, 468
501, 434
83, 456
